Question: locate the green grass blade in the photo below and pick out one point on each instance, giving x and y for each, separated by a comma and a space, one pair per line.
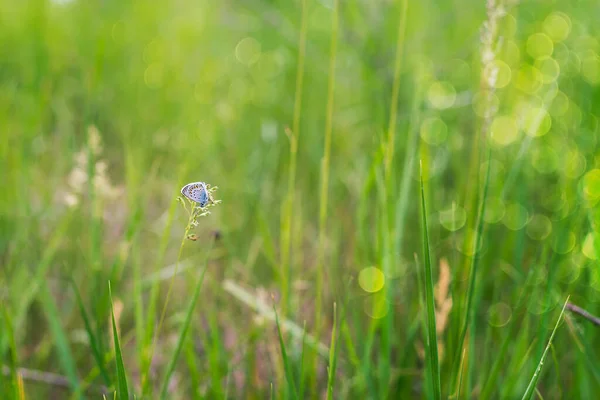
472, 274
194, 373
215, 349
332, 356
286, 221
367, 363
227, 382
184, 329
324, 182
29, 293
432, 351
289, 375
387, 218
586, 352
531, 388
13, 386
302, 369
500, 356
460, 375
65, 355
154, 292
406, 181
91, 336
138, 299
122, 389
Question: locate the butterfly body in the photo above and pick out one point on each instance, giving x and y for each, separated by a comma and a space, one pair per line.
198, 192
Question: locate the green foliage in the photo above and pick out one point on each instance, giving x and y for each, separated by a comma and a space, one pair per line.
310, 117
333, 355
287, 365
183, 332
65, 356
122, 388
531, 388
10, 384
91, 336
432, 345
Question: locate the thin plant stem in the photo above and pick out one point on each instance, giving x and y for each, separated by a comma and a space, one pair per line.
389, 155
164, 310
388, 259
472, 275
286, 236
580, 311
325, 162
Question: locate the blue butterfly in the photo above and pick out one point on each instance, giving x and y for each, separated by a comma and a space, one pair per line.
198, 192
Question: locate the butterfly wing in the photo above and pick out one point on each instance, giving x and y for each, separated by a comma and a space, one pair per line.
187, 191
196, 192
203, 196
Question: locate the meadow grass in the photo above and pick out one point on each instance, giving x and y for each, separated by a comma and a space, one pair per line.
410, 192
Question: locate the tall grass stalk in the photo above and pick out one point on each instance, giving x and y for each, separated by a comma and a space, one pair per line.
190, 358
155, 288
391, 134
431, 348
468, 312
389, 256
146, 387
324, 189
287, 364
408, 167
422, 324
35, 282
489, 75
333, 354
184, 327
460, 374
139, 300
8, 335
531, 388
302, 366
286, 228
509, 332
66, 359
92, 339
122, 392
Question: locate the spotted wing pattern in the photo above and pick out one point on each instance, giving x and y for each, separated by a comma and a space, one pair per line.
197, 192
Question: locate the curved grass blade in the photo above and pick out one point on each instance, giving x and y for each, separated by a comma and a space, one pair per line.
302, 371
12, 386
65, 355
332, 356
35, 282
289, 375
472, 278
155, 285
184, 329
194, 373
500, 356
286, 225
324, 186
432, 351
585, 350
91, 336
122, 390
531, 388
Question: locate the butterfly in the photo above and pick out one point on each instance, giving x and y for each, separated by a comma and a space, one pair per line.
198, 192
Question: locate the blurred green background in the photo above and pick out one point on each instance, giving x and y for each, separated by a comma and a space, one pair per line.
312, 118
